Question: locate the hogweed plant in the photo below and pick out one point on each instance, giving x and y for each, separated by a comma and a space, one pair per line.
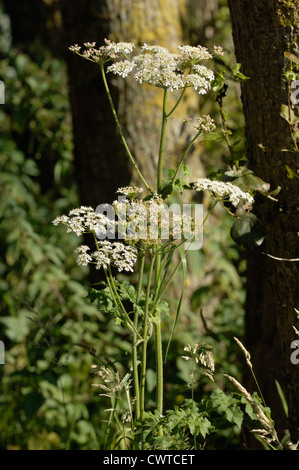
140, 231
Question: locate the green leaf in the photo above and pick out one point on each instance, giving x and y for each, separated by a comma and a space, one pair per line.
239, 75
218, 83
199, 424
290, 75
228, 406
292, 57
290, 173
282, 398
167, 190
248, 231
17, 328
288, 114
246, 180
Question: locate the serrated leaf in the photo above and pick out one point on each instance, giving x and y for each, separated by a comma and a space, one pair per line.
248, 231
199, 424
227, 405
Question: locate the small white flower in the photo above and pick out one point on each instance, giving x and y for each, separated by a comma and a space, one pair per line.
204, 123
117, 254
222, 189
199, 83
204, 72
190, 54
75, 48
218, 50
63, 219
118, 47
83, 219
129, 191
83, 257
89, 44
122, 68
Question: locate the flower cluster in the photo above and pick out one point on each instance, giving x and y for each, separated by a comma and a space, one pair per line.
103, 54
130, 192
223, 190
150, 221
115, 254
83, 219
202, 123
154, 65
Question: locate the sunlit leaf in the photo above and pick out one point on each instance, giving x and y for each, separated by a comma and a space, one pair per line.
248, 231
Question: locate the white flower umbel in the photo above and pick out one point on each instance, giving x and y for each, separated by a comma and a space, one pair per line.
117, 254
218, 51
157, 66
158, 69
191, 54
199, 83
83, 257
222, 190
122, 68
118, 47
110, 51
131, 192
83, 219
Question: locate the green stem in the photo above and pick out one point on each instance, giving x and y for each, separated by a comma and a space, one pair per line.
111, 414
158, 341
159, 366
160, 292
120, 129
134, 354
178, 102
145, 339
119, 303
184, 156
162, 143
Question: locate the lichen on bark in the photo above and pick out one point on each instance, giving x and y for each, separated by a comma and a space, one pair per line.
288, 13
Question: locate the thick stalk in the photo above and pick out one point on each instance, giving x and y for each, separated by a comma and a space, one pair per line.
134, 353
118, 302
145, 339
158, 341
159, 366
162, 142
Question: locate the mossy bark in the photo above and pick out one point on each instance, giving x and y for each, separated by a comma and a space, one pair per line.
262, 32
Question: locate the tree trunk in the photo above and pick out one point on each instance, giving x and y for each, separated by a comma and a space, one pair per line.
262, 32
101, 163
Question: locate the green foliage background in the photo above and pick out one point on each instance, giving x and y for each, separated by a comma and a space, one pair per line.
52, 332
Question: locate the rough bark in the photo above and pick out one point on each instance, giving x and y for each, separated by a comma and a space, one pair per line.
262, 32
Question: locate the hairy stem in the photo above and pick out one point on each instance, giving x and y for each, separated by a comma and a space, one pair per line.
158, 341
145, 339
134, 354
162, 143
